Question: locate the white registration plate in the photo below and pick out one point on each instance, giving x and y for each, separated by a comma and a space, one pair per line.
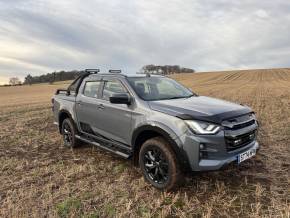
246, 155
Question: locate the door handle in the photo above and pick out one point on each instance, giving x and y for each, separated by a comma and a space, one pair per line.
101, 106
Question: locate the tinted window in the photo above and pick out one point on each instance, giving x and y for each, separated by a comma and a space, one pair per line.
112, 87
158, 88
92, 88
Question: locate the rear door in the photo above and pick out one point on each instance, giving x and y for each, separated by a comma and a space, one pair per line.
114, 120
87, 105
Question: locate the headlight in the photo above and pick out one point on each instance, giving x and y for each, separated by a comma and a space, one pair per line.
204, 128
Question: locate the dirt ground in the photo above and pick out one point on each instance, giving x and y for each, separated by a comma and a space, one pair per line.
41, 178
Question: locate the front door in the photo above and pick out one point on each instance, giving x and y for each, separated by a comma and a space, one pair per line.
114, 120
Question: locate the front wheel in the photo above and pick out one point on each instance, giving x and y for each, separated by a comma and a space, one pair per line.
159, 164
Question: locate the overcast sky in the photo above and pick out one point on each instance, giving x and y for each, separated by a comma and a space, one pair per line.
43, 36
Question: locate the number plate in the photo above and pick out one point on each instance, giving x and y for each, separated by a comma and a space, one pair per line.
246, 155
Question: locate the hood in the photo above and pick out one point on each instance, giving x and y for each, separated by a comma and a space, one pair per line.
200, 108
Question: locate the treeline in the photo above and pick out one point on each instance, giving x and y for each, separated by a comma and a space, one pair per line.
165, 69
71, 75
52, 77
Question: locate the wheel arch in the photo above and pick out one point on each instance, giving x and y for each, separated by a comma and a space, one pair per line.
146, 132
63, 114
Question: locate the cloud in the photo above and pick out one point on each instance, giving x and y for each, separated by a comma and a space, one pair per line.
262, 13
43, 36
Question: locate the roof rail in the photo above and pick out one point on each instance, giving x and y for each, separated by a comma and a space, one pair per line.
115, 71
94, 71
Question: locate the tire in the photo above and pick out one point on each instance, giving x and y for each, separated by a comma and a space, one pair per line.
159, 164
69, 131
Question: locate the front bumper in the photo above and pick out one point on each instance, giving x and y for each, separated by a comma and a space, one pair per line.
217, 154
206, 165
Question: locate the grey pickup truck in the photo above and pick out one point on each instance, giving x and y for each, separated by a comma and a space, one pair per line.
165, 128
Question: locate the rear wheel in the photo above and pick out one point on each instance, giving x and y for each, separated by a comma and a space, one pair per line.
68, 131
159, 164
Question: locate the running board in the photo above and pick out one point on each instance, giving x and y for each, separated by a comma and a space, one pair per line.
97, 138
122, 154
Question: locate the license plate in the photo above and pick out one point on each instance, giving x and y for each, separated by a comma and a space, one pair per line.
246, 155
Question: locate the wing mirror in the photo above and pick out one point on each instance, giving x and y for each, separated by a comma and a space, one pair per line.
121, 98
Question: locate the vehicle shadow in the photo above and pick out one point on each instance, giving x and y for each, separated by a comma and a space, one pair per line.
233, 178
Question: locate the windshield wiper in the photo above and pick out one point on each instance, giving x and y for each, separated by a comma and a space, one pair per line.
176, 97
189, 96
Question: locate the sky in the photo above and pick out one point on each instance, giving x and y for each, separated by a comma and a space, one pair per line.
42, 36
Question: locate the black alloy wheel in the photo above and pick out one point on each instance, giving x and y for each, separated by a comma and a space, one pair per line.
156, 165
69, 131
159, 164
67, 134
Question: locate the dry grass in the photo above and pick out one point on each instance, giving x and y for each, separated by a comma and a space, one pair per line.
41, 178
28, 95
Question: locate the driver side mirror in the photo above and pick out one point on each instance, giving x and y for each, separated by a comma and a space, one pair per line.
121, 98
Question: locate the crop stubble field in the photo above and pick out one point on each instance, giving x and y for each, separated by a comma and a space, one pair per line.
41, 178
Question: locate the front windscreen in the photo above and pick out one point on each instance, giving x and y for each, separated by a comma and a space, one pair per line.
158, 88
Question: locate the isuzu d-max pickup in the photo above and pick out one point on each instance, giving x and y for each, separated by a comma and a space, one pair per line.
165, 128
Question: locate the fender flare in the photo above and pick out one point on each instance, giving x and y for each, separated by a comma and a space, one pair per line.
169, 136
63, 111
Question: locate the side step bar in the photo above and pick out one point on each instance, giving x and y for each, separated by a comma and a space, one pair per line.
104, 140
122, 154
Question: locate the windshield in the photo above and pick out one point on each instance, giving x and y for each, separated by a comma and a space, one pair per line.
158, 88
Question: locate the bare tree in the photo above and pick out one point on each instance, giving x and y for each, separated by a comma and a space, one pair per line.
53, 76
14, 81
28, 79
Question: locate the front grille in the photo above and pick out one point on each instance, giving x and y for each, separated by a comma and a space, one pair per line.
239, 131
239, 141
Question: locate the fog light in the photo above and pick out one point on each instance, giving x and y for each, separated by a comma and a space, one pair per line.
237, 141
202, 151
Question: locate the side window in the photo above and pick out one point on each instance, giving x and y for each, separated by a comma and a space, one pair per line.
112, 87
91, 89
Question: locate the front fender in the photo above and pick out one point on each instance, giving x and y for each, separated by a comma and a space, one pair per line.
170, 136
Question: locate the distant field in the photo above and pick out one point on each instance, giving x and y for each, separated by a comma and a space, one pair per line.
41, 178
34, 94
